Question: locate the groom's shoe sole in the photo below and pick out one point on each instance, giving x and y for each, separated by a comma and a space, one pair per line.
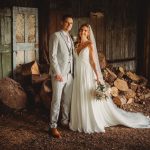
55, 133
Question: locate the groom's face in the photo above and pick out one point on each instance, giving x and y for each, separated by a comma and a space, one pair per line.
67, 24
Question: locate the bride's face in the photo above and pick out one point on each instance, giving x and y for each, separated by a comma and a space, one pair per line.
84, 32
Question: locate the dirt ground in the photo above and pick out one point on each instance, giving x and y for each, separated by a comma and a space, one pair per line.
28, 129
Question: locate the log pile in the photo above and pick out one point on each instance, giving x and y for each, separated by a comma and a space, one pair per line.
32, 86
32, 76
126, 86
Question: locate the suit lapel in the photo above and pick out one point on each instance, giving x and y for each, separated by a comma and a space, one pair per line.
63, 36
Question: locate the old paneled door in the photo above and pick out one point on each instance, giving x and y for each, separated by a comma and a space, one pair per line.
5, 43
25, 35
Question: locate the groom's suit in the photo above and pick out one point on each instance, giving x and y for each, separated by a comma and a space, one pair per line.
61, 63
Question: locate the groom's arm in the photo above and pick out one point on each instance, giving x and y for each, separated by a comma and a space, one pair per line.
53, 48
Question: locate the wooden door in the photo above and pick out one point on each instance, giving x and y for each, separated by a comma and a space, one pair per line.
5, 43
25, 35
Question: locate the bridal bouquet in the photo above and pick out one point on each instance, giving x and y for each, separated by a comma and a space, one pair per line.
102, 92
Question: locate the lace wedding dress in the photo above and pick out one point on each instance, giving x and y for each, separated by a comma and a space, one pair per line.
90, 115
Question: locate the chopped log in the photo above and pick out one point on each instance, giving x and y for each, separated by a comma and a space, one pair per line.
123, 99
23, 73
129, 94
119, 100
121, 69
130, 100
141, 92
46, 93
141, 97
121, 72
12, 94
133, 76
121, 84
111, 76
25, 69
35, 69
146, 96
133, 86
114, 91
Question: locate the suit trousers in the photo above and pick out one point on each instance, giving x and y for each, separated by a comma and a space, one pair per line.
61, 91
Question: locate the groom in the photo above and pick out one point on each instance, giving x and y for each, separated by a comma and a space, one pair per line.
61, 70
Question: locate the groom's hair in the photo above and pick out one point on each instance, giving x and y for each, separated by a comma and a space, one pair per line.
64, 17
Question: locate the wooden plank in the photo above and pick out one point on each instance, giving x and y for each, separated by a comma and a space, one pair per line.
5, 43
1, 69
6, 64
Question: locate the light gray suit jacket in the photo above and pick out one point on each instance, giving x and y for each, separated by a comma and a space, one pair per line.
61, 56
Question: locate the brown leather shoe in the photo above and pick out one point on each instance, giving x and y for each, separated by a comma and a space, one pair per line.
55, 133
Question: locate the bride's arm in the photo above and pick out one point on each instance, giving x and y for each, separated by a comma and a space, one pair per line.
92, 62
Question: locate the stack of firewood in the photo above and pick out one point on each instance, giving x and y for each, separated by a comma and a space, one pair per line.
32, 87
126, 86
34, 78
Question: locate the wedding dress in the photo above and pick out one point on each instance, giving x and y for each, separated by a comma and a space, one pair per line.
90, 115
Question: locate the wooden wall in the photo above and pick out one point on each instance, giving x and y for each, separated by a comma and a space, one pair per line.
143, 45
126, 27
5, 43
121, 31
147, 45
120, 20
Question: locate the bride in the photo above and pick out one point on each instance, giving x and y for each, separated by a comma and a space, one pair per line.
88, 114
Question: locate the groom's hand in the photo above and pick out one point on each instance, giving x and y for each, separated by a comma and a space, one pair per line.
59, 77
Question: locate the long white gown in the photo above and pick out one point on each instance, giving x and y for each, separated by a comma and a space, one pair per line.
90, 115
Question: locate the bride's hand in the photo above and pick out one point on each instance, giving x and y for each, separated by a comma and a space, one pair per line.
98, 81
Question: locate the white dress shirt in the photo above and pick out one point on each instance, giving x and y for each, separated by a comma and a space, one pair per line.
67, 38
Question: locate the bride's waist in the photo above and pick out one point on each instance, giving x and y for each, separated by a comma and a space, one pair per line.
83, 63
